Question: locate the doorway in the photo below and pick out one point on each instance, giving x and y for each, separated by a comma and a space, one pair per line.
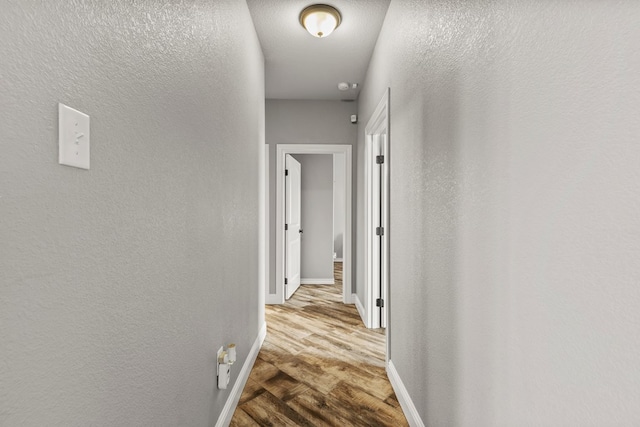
282, 150
376, 206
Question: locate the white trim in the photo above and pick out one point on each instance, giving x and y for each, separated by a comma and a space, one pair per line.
409, 409
264, 223
234, 397
272, 299
330, 281
281, 151
352, 299
337, 260
361, 310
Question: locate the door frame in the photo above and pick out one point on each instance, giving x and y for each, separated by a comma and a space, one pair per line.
281, 151
377, 126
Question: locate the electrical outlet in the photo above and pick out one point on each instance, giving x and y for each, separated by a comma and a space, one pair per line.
220, 351
224, 375
223, 368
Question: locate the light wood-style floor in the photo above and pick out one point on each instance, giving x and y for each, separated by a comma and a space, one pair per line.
319, 366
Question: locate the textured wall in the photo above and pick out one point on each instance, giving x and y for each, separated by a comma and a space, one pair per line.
515, 193
304, 122
118, 284
317, 216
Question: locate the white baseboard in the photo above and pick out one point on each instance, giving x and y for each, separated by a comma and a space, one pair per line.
337, 260
351, 299
330, 281
234, 397
360, 308
272, 299
409, 409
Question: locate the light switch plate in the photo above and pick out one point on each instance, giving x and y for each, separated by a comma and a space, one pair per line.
73, 137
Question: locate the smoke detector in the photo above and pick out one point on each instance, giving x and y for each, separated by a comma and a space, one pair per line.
346, 86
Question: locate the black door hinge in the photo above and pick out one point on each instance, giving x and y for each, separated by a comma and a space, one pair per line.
286, 227
379, 160
286, 172
379, 302
379, 231
286, 281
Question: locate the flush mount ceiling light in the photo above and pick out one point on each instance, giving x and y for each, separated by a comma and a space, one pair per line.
320, 19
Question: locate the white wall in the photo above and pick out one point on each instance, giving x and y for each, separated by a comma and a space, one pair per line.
316, 258
514, 233
338, 204
304, 122
118, 284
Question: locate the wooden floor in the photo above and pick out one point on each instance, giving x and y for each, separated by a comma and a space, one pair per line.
319, 366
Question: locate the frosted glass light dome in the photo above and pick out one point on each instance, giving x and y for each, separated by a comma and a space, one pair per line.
320, 19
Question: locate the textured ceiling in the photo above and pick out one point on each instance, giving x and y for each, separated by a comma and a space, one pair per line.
300, 66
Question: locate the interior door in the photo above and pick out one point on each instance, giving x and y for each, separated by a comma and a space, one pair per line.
383, 183
292, 227
377, 264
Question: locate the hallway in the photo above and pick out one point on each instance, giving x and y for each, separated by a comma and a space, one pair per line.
319, 366
514, 193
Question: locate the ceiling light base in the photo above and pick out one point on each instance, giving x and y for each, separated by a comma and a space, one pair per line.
320, 19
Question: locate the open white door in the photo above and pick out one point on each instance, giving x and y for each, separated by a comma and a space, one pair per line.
376, 228
376, 207
292, 225
278, 295
379, 220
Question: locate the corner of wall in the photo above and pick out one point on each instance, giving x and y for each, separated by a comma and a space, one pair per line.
406, 403
361, 310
